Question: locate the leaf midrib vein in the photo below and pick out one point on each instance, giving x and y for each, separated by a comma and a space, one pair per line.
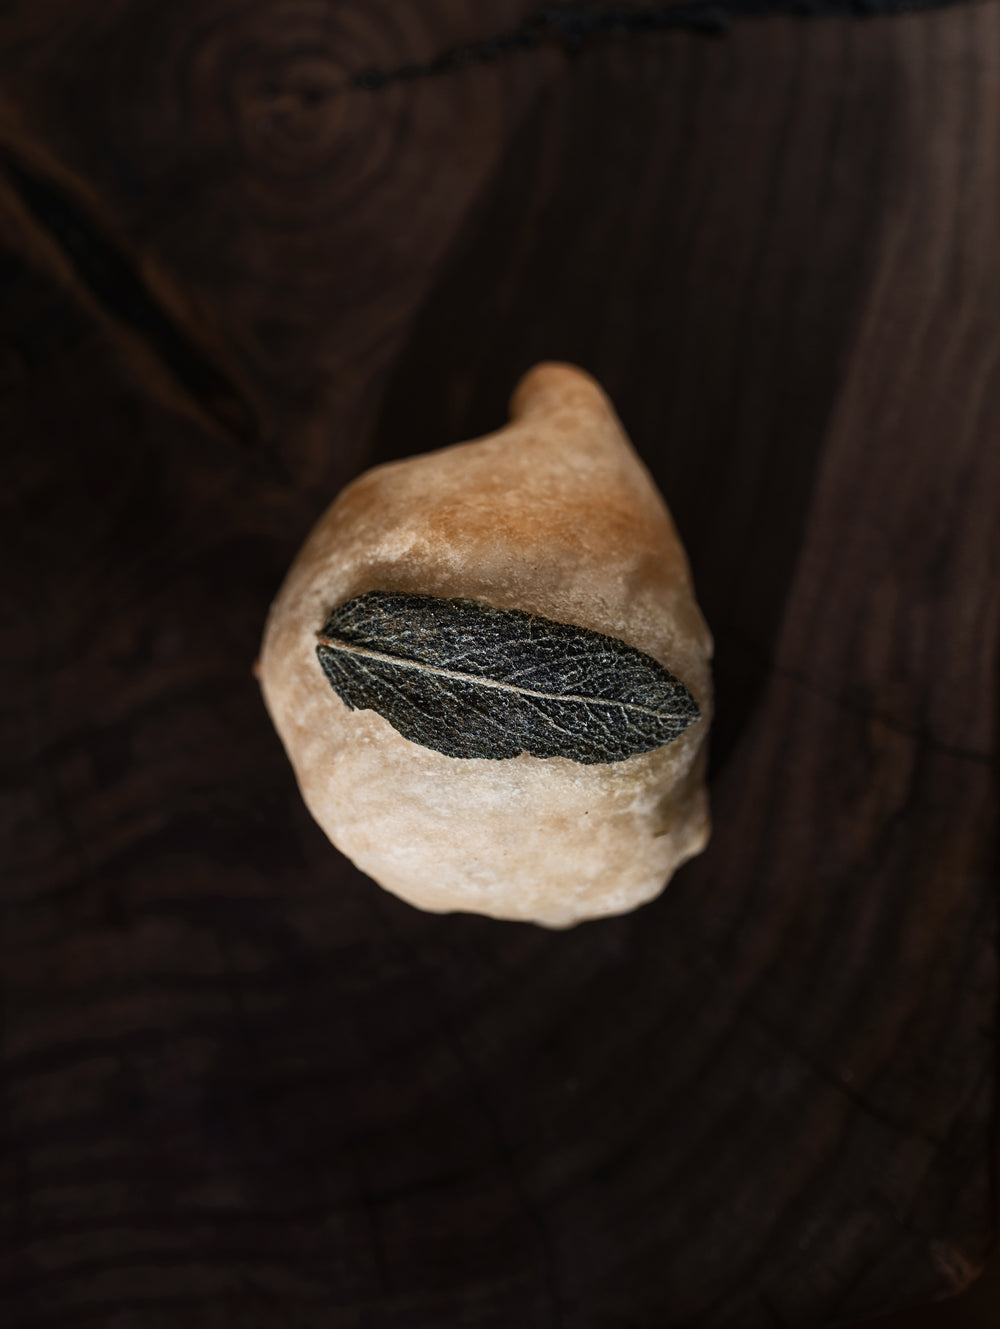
334, 644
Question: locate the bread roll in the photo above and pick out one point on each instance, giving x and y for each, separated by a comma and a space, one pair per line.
555, 518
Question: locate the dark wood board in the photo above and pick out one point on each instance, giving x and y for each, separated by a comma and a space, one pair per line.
240, 1084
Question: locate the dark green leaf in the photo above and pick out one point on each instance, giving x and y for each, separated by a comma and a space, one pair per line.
472, 681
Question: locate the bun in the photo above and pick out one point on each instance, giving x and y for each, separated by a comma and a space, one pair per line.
553, 517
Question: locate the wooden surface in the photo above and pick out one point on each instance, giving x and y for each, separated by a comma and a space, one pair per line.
241, 1085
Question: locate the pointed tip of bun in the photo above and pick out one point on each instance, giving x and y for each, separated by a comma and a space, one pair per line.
554, 385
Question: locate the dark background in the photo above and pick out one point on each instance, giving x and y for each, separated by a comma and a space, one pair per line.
240, 1084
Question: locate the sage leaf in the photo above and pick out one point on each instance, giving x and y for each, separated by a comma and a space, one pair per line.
469, 680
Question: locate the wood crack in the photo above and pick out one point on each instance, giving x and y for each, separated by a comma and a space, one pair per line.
572, 26
115, 282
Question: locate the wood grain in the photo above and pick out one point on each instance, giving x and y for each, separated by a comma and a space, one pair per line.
241, 1085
